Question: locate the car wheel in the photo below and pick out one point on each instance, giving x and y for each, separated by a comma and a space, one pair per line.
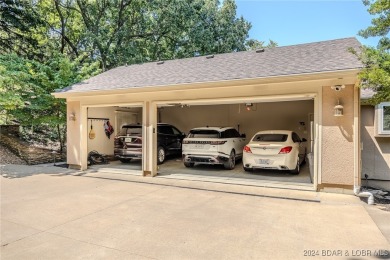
297, 168
304, 159
189, 164
160, 155
229, 165
125, 160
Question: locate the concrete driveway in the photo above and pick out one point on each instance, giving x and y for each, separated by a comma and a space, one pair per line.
54, 213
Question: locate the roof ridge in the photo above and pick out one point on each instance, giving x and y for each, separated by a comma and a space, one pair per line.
324, 41
306, 58
240, 52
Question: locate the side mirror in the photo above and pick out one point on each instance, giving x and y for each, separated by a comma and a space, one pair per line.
243, 135
183, 134
304, 140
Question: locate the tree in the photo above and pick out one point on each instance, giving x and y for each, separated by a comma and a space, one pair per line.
17, 18
118, 32
253, 44
51, 44
376, 72
26, 87
380, 25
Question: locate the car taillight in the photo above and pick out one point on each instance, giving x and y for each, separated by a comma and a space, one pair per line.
286, 149
247, 149
137, 141
217, 142
117, 141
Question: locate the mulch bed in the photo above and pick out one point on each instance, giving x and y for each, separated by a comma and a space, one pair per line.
381, 201
8, 157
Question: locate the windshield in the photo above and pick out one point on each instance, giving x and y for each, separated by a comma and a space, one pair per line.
270, 138
131, 130
203, 134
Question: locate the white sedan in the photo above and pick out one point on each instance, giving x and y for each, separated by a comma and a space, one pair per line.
279, 150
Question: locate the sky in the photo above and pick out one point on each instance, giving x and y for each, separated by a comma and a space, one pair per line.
290, 22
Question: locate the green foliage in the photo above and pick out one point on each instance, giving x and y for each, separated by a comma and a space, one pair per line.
380, 24
117, 32
376, 72
51, 44
253, 44
26, 87
17, 19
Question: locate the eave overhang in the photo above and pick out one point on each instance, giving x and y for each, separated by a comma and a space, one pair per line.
328, 75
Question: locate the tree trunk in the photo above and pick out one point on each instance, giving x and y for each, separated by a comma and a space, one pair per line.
60, 139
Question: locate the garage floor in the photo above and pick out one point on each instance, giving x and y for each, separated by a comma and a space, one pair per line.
173, 168
216, 173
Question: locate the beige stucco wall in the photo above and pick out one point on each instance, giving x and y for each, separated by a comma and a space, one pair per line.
73, 147
263, 116
375, 150
337, 151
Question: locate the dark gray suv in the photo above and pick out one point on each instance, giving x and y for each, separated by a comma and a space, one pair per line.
128, 144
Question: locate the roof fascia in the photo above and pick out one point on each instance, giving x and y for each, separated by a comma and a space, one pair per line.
222, 83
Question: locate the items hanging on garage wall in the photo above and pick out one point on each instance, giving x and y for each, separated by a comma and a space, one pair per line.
108, 129
92, 134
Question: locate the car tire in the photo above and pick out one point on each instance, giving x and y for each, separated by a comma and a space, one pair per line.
123, 160
297, 168
231, 162
189, 164
304, 159
160, 155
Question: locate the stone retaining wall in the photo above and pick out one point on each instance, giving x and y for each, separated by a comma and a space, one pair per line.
32, 155
10, 129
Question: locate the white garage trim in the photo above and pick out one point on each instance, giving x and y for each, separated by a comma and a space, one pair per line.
317, 139
254, 99
84, 128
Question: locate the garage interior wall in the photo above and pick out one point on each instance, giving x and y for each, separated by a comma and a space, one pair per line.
337, 152
285, 115
375, 152
101, 142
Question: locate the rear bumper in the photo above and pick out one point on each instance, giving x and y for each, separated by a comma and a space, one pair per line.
126, 154
280, 162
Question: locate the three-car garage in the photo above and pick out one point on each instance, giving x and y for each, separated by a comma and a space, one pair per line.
283, 88
246, 115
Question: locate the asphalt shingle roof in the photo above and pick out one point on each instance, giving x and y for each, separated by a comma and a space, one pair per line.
307, 58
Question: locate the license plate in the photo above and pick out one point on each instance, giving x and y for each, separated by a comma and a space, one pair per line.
198, 146
263, 161
128, 139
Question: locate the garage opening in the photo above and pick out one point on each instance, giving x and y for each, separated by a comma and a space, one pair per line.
116, 133
248, 118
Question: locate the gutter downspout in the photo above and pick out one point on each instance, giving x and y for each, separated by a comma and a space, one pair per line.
357, 149
364, 194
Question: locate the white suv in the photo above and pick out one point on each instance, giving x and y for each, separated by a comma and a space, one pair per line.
213, 145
